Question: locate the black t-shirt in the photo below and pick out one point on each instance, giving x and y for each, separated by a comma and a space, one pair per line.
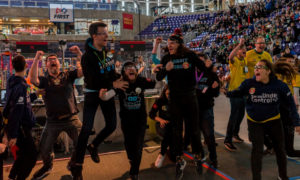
59, 99
181, 79
132, 101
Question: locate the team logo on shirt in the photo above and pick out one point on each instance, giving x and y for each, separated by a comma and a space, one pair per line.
56, 81
185, 65
138, 90
164, 108
251, 90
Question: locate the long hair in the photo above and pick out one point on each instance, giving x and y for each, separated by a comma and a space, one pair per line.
285, 70
163, 93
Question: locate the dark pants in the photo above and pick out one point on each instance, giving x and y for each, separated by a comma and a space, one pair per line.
134, 127
26, 156
185, 107
91, 103
167, 138
237, 113
206, 117
79, 89
289, 134
50, 134
256, 133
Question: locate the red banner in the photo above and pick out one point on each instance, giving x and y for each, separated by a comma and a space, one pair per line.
127, 21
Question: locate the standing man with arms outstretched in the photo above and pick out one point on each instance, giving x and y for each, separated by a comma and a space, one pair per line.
61, 106
99, 72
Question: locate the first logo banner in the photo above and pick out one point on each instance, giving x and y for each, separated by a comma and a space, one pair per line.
61, 12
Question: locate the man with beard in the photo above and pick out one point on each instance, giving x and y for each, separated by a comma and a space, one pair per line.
61, 107
255, 55
133, 114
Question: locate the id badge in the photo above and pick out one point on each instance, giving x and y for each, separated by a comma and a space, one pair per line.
245, 69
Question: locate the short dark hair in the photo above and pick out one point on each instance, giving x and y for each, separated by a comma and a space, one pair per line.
50, 55
93, 29
19, 63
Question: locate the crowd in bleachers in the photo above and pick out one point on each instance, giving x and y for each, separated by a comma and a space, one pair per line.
277, 21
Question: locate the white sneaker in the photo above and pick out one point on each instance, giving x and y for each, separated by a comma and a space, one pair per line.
159, 160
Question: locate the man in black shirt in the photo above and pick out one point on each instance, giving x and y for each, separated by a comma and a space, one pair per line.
61, 107
99, 72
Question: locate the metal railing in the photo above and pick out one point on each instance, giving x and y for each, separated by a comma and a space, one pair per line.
45, 4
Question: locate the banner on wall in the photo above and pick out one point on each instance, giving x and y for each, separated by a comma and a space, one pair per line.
127, 21
61, 12
133, 45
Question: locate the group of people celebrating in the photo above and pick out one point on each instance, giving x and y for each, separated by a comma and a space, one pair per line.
188, 98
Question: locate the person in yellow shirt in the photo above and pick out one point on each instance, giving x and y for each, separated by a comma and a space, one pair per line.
255, 55
238, 70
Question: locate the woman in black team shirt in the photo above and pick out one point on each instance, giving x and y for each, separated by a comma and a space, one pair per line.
179, 65
133, 114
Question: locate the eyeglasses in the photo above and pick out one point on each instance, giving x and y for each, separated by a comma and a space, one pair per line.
52, 59
261, 43
261, 67
102, 33
129, 67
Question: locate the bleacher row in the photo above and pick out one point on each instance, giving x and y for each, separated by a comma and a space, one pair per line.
166, 25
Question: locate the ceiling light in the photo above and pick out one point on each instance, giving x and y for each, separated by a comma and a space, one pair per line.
15, 20
34, 20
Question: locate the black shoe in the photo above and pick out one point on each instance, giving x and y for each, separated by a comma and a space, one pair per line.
42, 173
230, 147
134, 177
93, 152
180, 165
237, 139
198, 163
269, 151
76, 171
213, 164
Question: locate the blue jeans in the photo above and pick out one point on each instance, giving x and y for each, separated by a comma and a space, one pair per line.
91, 103
236, 116
206, 117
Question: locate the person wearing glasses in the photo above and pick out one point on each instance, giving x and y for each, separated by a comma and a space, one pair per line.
60, 103
238, 71
265, 93
99, 72
256, 54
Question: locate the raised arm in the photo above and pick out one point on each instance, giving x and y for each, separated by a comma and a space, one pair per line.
76, 50
33, 73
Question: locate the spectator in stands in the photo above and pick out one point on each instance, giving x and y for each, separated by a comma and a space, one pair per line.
141, 66
61, 106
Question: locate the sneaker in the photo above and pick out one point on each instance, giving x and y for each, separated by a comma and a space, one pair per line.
159, 161
230, 147
237, 139
268, 151
134, 177
180, 165
198, 163
42, 173
76, 171
93, 152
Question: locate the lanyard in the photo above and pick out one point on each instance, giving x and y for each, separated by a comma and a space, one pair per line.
102, 62
198, 79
